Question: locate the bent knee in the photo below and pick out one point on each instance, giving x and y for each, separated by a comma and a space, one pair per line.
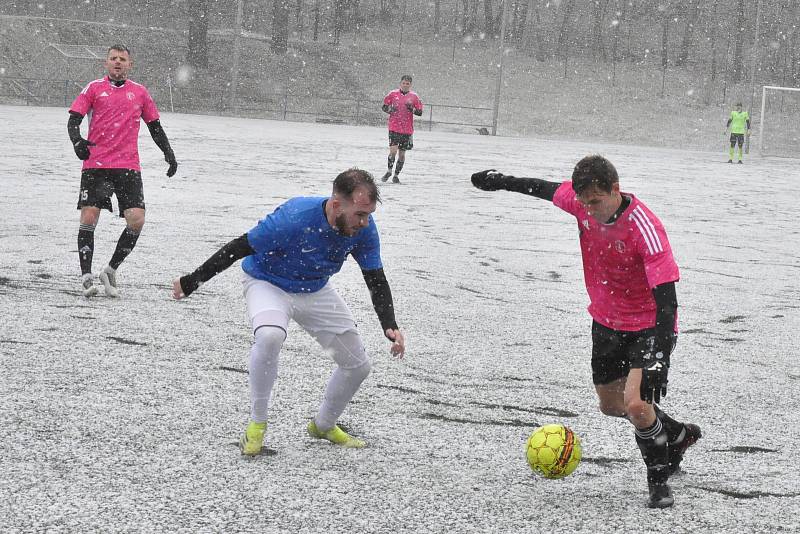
612, 410
638, 410
269, 339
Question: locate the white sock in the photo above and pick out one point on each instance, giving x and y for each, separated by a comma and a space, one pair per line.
353, 366
264, 369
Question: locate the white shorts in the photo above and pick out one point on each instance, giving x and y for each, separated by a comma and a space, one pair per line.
323, 314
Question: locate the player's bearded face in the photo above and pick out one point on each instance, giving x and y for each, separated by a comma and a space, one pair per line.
354, 214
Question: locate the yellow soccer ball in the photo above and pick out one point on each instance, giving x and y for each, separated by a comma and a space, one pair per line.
553, 451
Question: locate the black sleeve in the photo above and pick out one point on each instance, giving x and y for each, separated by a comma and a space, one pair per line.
748, 124
666, 310
74, 126
386, 108
222, 259
159, 136
418, 112
381, 296
532, 186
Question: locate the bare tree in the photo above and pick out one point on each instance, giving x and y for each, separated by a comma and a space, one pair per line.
691, 17
563, 39
738, 38
198, 33
469, 16
280, 26
489, 26
520, 19
598, 48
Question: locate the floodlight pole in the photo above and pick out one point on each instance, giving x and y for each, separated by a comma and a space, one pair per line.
237, 44
761, 122
500, 68
755, 61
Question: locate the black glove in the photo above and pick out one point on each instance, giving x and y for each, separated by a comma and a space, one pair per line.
81, 147
169, 157
490, 180
656, 367
410, 106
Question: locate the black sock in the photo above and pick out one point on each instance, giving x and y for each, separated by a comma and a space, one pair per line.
124, 247
86, 247
399, 167
674, 428
652, 442
391, 163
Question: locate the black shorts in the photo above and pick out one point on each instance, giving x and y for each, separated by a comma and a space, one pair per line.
615, 352
737, 138
402, 141
97, 186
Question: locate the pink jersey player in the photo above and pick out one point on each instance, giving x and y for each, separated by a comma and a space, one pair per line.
114, 123
622, 262
110, 158
401, 105
630, 276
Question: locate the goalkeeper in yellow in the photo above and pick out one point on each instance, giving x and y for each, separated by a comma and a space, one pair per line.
739, 123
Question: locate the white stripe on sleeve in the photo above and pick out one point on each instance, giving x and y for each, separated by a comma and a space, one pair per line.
647, 230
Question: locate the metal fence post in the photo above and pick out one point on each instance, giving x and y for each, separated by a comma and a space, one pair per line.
430, 119
285, 102
358, 108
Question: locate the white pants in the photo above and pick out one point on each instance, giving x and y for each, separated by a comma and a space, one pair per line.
326, 317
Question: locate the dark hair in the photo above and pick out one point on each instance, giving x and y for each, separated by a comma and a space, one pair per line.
594, 171
351, 179
405, 77
118, 48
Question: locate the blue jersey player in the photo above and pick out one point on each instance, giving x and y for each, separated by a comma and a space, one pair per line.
289, 257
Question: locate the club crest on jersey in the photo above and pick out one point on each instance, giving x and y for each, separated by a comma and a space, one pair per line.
130, 95
619, 246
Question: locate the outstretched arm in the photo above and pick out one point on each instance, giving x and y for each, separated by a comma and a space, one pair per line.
222, 259
491, 180
160, 137
381, 295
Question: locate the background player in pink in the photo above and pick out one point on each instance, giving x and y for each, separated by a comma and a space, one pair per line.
110, 157
630, 276
401, 105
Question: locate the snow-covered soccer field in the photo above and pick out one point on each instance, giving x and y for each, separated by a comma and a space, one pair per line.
122, 415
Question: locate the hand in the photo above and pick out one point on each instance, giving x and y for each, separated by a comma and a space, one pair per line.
656, 367
654, 382
410, 106
81, 147
169, 157
398, 348
177, 290
489, 180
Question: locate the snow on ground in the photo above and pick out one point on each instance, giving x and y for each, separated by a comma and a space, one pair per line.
122, 415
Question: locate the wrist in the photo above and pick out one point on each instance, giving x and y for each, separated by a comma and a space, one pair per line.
188, 284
